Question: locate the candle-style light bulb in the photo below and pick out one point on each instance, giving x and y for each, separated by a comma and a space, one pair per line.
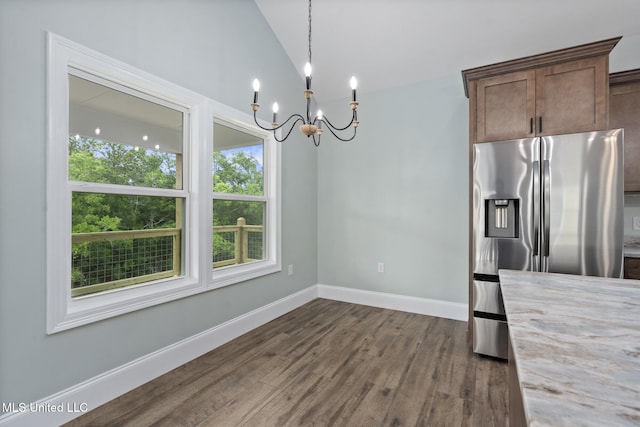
275, 112
354, 85
307, 73
319, 119
256, 88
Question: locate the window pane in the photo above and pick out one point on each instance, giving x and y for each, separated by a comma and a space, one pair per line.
122, 240
238, 160
238, 232
118, 138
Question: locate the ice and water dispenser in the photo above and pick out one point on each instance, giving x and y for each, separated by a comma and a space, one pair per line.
501, 218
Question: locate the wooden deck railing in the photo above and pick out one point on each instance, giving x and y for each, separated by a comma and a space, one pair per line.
109, 236
241, 252
241, 238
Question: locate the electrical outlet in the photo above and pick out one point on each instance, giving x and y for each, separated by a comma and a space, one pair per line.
381, 267
636, 222
290, 269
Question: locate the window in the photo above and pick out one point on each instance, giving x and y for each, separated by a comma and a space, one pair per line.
245, 209
125, 178
238, 223
121, 194
153, 192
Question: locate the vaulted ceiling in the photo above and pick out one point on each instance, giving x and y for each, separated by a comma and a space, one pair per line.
388, 43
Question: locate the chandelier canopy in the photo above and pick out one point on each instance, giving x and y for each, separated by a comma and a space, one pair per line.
311, 127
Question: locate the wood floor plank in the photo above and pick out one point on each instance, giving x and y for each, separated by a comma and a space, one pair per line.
326, 363
239, 411
287, 401
215, 396
348, 387
372, 408
446, 411
491, 395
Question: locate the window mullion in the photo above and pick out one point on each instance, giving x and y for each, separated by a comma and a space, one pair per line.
91, 187
239, 197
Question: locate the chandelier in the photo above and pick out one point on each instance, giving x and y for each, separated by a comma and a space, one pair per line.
311, 127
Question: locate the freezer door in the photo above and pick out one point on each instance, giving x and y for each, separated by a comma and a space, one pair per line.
490, 337
503, 183
487, 298
583, 203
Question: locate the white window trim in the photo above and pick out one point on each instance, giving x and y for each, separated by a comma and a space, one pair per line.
64, 312
272, 263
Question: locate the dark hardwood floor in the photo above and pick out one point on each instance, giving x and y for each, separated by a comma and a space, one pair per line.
326, 363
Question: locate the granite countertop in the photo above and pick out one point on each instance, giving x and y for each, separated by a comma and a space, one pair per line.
631, 252
576, 343
632, 246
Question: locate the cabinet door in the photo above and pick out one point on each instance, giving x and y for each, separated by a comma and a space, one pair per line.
572, 97
624, 112
505, 106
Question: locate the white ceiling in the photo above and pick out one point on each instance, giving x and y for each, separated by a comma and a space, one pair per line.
388, 43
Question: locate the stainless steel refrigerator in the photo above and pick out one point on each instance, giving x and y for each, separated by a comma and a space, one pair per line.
550, 204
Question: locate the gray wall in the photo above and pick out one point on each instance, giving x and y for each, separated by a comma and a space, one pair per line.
398, 194
212, 47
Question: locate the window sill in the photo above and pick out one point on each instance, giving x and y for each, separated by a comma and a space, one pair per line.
226, 276
91, 308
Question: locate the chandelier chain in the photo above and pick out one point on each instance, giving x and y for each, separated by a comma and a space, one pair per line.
309, 31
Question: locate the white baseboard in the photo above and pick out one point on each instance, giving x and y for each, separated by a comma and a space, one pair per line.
74, 401
429, 307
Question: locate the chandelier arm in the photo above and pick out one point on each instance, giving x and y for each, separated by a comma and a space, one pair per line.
316, 142
331, 129
255, 119
331, 125
290, 129
299, 118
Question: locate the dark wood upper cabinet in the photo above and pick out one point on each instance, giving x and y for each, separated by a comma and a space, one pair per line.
564, 91
505, 106
573, 97
624, 112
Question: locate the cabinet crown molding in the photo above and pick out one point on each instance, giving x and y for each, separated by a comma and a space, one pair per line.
588, 50
624, 77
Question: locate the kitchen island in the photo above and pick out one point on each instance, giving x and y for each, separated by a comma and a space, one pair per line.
574, 349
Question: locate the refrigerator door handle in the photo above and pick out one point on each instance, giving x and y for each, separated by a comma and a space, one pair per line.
536, 212
546, 203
